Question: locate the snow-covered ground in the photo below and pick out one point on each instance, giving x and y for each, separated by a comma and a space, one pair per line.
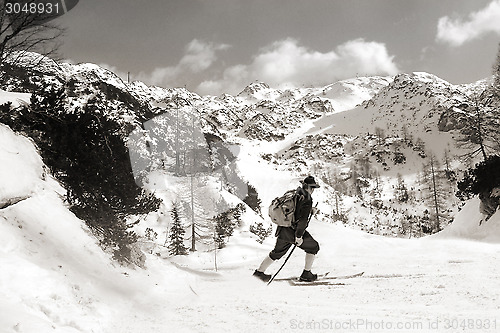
415, 283
55, 278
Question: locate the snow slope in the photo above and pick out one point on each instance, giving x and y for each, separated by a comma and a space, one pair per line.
15, 98
54, 277
471, 225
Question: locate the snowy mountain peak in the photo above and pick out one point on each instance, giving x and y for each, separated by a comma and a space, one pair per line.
254, 87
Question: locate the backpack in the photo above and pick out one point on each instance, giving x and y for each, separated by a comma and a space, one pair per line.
281, 210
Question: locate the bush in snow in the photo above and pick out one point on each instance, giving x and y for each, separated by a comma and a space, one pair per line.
86, 153
261, 232
481, 180
483, 177
150, 234
225, 223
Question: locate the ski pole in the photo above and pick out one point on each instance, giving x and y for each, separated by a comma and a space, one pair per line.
288, 257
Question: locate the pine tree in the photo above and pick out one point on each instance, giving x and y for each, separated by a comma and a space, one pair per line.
252, 199
420, 147
225, 223
407, 137
223, 229
401, 191
364, 166
177, 232
450, 174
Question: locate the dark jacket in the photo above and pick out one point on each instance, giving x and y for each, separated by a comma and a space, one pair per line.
303, 208
302, 211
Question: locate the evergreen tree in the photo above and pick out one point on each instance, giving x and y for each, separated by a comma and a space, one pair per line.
450, 174
177, 232
401, 191
252, 199
407, 137
223, 229
420, 147
225, 223
364, 166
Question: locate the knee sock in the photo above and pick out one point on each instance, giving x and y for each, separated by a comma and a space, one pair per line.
265, 264
309, 261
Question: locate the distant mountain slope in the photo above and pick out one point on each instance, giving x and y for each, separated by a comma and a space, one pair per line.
393, 125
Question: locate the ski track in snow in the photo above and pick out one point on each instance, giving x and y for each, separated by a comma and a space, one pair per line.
406, 281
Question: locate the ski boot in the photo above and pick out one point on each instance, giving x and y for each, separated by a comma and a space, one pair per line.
307, 276
262, 276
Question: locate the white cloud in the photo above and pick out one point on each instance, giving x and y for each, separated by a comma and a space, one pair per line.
285, 63
198, 57
457, 31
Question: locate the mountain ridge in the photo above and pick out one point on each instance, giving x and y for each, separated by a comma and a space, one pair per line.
391, 122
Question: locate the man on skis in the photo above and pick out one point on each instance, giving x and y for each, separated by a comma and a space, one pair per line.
295, 234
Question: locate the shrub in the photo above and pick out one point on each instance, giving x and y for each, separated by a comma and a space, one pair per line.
85, 151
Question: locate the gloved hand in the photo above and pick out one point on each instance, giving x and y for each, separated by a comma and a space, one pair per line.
298, 241
314, 211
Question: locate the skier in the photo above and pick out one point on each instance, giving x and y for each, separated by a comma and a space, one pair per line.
296, 234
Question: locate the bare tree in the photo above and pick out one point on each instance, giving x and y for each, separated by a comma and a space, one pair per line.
24, 31
333, 178
380, 134
496, 73
436, 195
481, 135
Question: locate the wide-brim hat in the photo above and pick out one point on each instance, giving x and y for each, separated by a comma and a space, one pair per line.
309, 181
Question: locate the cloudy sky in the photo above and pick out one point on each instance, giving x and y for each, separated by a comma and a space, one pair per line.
215, 46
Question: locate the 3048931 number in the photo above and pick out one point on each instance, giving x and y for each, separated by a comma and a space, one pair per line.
470, 324
32, 8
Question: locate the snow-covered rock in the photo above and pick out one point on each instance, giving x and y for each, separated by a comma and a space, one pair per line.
469, 223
